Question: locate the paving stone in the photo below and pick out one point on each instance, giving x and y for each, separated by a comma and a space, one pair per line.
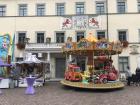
55, 94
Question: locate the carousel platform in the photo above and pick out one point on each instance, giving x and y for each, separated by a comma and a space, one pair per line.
109, 85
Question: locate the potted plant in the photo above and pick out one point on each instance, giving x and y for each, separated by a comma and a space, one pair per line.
48, 40
124, 43
20, 46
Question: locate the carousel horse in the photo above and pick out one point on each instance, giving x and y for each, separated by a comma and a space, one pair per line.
85, 76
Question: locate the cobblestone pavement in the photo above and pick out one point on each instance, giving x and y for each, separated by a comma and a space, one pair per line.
55, 94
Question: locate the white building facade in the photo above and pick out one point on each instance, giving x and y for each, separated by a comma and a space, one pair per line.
41, 20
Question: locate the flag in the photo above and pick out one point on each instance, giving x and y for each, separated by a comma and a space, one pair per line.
12, 49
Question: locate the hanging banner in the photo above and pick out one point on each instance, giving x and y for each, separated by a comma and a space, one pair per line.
66, 23
80, 22
4, 45
94, 22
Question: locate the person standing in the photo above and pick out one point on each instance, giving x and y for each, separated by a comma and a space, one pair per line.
18, 72
137, 79
128, 75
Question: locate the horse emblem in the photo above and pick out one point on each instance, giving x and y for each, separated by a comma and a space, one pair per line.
66, 23
94, 22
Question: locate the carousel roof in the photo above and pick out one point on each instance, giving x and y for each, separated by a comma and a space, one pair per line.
91, 38
84, 46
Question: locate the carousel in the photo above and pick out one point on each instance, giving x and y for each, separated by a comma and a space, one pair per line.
99, 72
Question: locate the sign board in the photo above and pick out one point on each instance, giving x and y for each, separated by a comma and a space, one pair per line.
134, 49
80, 22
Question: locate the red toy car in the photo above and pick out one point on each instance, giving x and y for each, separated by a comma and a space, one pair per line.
100, 79
73, 73
110, 75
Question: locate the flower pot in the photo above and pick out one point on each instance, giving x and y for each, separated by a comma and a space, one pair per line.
20, 46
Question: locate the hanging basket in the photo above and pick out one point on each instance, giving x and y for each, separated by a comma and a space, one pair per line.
20, 46
124, 44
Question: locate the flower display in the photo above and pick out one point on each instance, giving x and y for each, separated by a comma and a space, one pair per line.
20, 46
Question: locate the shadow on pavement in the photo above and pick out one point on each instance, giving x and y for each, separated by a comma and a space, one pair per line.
90, 90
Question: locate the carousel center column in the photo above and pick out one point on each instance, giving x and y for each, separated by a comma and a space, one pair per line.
70, 58
90, 62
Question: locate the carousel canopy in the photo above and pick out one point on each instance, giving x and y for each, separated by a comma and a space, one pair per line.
91, 38
84, 46
2, 64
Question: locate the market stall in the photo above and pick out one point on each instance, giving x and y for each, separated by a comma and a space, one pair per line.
3, 74
31, 66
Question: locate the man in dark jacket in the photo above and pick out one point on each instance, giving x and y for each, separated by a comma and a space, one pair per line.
137, 74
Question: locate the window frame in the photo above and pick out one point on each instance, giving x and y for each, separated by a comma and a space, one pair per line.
24, 11
100, 31
40, 41
123, 7
60, 41
3, 12
77, 35
23, 39
126, 35
42, 13
138, 5
104, 6
61, 13
80, 12
19, 59
123, 63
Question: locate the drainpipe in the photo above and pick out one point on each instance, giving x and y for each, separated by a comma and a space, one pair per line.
70, 57
107, 19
